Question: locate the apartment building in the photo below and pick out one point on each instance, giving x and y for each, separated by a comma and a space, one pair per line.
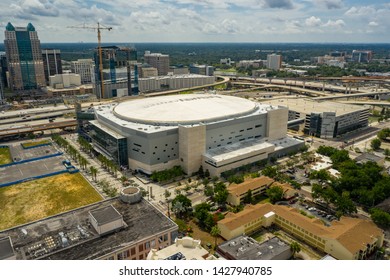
347, 239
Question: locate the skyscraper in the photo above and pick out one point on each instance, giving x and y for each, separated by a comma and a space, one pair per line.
51, 62
24, 56
117, 60
274, 61
159, 61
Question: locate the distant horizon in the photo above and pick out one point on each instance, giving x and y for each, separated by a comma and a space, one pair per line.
210, 42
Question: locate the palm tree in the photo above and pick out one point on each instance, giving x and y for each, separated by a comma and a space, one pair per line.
178, 209
295, 248
215, 232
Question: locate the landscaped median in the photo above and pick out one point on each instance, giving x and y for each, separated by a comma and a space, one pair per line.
37, 199
35, 144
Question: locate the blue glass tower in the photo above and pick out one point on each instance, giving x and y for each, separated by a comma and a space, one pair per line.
24, 57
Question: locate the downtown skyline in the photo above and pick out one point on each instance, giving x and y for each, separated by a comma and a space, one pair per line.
317, 21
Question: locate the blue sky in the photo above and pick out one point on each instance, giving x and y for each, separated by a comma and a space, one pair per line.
204, 20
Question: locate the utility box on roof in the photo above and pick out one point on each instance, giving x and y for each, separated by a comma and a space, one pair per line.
106, 220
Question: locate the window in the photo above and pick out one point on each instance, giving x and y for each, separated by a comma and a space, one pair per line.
147, 245
138, 145
153, 243
249, 128
141, 247
259, 125
132, 250
166, 237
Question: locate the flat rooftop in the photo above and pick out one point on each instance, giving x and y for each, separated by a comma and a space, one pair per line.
308, 106
41, 240
246, 248
237, 149
6, 250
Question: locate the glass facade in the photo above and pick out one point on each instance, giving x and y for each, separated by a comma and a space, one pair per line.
110, 146
26, 59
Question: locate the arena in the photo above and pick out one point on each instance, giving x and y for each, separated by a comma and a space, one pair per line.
217, 132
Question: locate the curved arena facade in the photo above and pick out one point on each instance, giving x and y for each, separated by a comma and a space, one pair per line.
217, 132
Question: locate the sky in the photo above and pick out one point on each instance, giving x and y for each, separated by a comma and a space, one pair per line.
132, 21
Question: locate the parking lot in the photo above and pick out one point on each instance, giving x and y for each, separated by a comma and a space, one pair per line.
18, 153
315, 210
31, 169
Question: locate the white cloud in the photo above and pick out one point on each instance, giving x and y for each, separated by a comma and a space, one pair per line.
373, 23
360, 11
335, 23
313, 21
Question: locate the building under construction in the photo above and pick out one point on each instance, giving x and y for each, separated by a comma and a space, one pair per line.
120, 72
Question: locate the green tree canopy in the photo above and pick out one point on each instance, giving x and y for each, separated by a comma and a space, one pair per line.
380, 217
375, 143
275, 193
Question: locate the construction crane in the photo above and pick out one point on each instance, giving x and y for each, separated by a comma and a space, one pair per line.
98, 28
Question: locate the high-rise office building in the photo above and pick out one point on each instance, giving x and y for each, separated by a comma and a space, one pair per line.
361, 56
24, 56
51, 62
118, 60
83, 67
274, 61
159, 61
3, 69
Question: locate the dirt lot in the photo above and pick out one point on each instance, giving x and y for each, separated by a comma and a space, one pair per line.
205, 237
41, 198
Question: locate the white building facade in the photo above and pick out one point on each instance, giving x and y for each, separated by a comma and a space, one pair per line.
217, 132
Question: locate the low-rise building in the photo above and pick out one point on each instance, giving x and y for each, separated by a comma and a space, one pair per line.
65, 80
111, 229
324, 119
238, 192
246, 248
347, 239
365, 157
185, 248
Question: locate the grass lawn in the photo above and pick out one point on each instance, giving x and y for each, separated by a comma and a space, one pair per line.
35, 143
5, 155
34, 200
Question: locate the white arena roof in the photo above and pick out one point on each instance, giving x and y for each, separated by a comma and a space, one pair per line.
184, 109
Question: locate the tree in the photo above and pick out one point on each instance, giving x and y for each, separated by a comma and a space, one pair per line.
181, 205
201, 212
221, 196
167, 194
215, 232
201, 172
375, 143
344, 204
275, 193
295, 248
270, 171
209, 191
380, 217
248, 198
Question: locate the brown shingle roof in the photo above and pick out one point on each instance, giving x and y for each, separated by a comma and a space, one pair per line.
249, 184
354, 234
